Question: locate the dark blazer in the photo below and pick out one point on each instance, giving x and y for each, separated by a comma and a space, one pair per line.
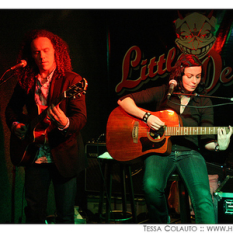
66, 146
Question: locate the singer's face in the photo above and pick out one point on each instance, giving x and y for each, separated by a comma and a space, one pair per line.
191, 78
43, 54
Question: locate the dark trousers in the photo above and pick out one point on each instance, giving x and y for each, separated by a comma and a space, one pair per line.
192, 168
37, 181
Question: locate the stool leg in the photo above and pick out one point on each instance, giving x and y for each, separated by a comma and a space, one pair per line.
101, 200
131, 191
109, 193
184, 203
123, 190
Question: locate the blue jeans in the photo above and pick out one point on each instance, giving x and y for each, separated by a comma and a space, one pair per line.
37, 181
191, 166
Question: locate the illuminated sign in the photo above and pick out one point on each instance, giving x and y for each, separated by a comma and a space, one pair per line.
194, 36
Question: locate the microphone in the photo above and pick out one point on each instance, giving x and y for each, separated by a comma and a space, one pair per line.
172, 85
23, 63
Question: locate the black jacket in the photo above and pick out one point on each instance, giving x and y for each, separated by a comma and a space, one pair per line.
66, 146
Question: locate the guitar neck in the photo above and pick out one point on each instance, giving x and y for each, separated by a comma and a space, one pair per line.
176, 131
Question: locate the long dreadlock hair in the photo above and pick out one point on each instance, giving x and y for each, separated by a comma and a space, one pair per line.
187, 60
26, 76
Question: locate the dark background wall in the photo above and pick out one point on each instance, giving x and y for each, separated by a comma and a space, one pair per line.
85, 33
98, 41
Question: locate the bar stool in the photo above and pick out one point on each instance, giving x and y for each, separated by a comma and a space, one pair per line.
184, 199
107, 163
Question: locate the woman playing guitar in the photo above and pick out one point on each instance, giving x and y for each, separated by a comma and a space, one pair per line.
185, 157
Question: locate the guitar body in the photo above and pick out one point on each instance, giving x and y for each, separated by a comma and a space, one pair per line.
128, 138
23, 152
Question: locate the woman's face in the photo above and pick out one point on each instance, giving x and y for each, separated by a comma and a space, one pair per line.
191, 78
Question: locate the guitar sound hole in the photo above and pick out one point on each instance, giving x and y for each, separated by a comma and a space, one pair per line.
157, 134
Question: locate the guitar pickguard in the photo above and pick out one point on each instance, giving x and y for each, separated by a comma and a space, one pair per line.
148, 145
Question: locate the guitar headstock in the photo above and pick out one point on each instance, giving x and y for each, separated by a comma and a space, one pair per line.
76, 89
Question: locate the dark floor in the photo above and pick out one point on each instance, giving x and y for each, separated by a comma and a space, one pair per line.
142, 218
91, 215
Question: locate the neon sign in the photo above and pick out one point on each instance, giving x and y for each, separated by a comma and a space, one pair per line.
149, 69
195, 35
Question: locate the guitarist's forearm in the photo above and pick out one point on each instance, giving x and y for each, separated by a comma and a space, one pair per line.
130, 107
210, 146
215, 146
223, 140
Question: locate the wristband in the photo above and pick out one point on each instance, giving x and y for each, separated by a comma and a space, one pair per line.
216, 147
146, 116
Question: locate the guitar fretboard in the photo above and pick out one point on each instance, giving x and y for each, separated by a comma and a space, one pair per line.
175, 131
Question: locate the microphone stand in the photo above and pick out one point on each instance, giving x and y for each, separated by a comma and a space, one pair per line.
1, 79
13, 195
205, 96
22, 64
14, 168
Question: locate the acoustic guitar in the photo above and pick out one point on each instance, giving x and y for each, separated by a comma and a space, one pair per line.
128, 138
23, 151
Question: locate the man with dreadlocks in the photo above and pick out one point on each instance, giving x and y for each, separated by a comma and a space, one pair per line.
60, 158
184, 157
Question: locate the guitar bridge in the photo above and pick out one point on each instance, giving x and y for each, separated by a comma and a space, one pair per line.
135, 132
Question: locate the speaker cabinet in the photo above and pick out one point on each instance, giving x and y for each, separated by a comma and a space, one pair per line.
224, 195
